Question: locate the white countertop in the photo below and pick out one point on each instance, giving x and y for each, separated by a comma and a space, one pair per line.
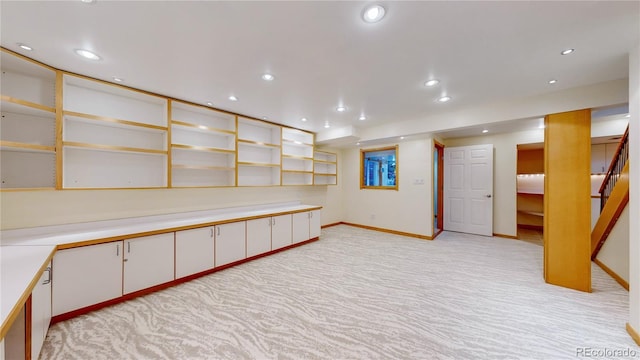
96, 230
20, 268
25, 252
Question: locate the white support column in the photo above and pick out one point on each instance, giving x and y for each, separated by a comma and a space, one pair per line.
634, 193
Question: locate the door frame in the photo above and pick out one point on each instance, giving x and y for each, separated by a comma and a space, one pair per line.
439, 148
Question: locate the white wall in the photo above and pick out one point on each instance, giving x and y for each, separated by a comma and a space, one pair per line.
615, 251
504, 173
634, 188
410, 208
39, 208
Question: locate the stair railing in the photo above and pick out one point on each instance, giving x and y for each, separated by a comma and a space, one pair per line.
617, 164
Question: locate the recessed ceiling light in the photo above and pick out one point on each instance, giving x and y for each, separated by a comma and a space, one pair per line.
264, 118
326, 125
373, 13
88, 1
209, 103
567, 51
628, 115
362, 117
341, 109
303, 119
25, 47
432, 82
444, 98
401, 137
553, 81
233, 98
87, 54
267, 77
202, 127
357, 143
485, 131
117, 79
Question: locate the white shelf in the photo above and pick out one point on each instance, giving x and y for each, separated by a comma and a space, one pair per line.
100, 168
102, 99
297, 164
258, 132
192, 136
297, 137
325, 168
27, 125
325, 179
83, 130
199, 116
25, 80
258, 175
297, 178
186, 176
258, 154
27, 168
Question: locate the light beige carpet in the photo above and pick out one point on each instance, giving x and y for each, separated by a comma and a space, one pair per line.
359, 294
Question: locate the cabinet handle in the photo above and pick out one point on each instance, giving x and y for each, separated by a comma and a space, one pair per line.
269, 221
118, 250
48, 281
273, 220
310, 215
218, 228
211, 232
129, 247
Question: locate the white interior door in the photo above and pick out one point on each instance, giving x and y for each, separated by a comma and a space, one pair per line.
468, 189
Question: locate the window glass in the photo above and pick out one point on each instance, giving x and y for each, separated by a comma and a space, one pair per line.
379, 168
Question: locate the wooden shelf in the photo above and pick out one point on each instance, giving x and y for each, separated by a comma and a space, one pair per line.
257, 143
202, 148
112, 120
111, 148
202, 128
199, 167
246, 163
17, 146
26, 103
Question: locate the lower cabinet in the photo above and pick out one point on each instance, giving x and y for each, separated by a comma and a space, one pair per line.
268, 234
87, 275
281, 231
40, 312
306, 225
258, 236
194, 251
230, 242
148, 261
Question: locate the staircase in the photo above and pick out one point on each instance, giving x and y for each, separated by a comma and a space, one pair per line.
614, 195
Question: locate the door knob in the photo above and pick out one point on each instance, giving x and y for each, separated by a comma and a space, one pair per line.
488, 195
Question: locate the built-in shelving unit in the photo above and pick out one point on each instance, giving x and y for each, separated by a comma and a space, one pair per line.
297, 157
67, 131
113, 137
203, 146
259, 156
325, 168
28, 124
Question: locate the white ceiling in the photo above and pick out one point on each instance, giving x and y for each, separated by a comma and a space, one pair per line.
322, 54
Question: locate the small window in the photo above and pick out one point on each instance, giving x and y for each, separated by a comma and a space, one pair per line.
379, 168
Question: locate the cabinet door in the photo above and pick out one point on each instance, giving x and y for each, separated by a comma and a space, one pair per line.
300, 227
148, 261
280, 231
230, 242
598, 158
87, 275
40, 312
194, 251
258, 236
314, 223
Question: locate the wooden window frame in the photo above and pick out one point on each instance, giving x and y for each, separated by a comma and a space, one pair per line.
394, 148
